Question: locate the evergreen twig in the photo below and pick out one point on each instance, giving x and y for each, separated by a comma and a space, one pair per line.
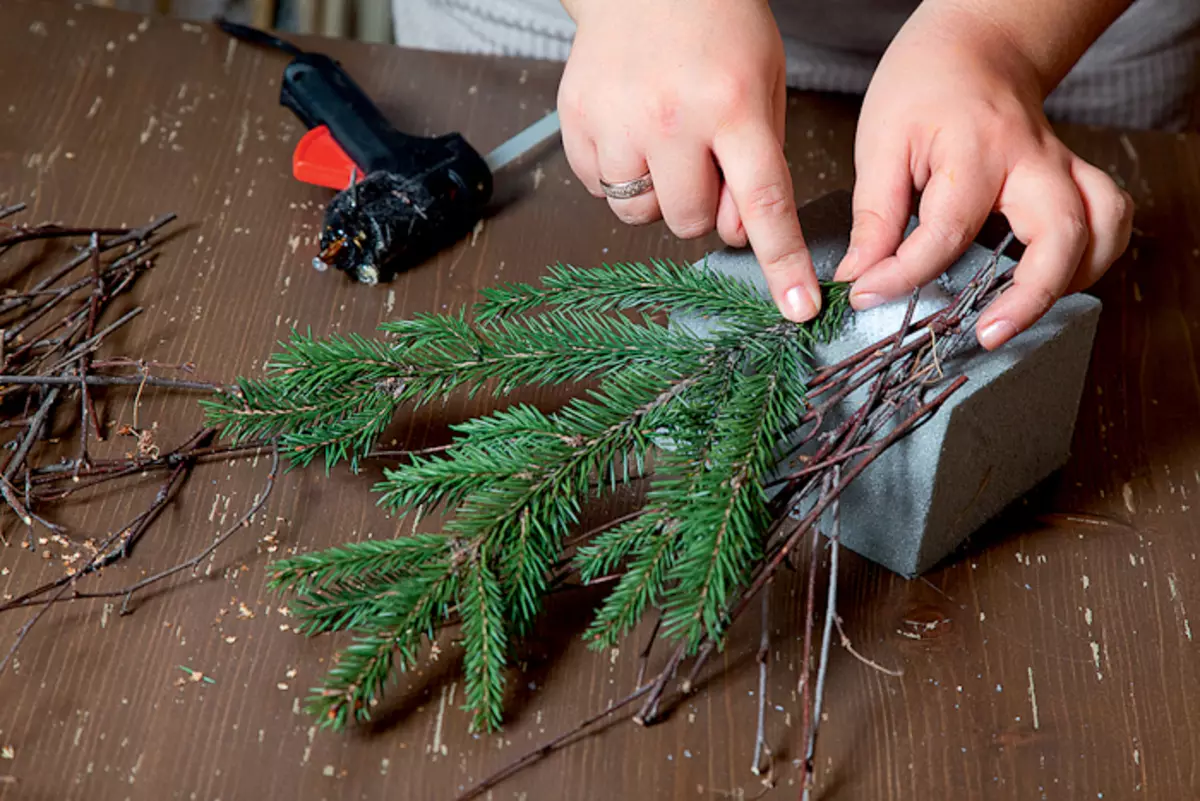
516, 479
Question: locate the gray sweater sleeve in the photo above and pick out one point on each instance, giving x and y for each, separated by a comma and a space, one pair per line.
1144, 72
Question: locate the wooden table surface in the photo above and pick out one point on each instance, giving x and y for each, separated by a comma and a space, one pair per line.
1054, 658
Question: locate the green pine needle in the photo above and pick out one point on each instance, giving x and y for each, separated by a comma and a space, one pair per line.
657, 286
606, 551
392, 637
358, 561
639, 588
485, 642
514, 484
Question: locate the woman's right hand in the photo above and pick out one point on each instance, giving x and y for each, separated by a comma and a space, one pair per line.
692, 92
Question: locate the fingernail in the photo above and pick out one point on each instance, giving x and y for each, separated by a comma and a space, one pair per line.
802, 304
862, 301
995, 334
814, 293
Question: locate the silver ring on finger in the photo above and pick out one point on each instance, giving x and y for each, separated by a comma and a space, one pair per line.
623, 190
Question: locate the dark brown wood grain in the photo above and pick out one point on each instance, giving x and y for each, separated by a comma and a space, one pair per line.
1054, 658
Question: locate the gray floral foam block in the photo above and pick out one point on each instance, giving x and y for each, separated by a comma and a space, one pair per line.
1008, 428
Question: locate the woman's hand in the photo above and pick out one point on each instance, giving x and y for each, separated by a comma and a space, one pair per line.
692, 92
955, 110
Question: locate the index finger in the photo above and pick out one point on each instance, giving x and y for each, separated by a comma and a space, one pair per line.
757, 176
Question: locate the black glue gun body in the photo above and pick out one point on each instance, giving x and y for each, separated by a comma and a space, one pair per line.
400, 198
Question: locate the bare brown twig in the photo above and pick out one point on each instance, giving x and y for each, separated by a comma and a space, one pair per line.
23, 632
110, 381
543, 750
32, 431
117, 543
55, 329
763, 658
644, 655
806, 653
192, 562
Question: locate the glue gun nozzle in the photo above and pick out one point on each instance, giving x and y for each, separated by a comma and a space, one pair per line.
332, 249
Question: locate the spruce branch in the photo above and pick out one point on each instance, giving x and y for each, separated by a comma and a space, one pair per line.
607, 550
358, 561
335, 396
485, 641
660, 285
347, 438
416, 609
710, 412
358, 678
657, 286
654, 546
720, 532
561, 347
532, 515
514, 482
640, 586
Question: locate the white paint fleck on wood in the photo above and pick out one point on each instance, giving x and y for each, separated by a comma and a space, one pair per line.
1033, 700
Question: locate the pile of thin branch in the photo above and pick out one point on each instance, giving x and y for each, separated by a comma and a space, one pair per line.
50, 372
